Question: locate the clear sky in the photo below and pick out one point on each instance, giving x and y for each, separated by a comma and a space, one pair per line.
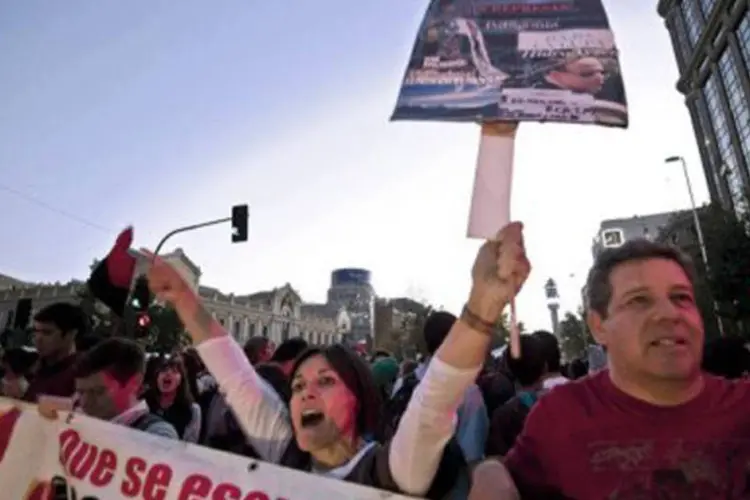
162, 113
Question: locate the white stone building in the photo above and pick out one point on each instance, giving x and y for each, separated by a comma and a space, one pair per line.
277, 314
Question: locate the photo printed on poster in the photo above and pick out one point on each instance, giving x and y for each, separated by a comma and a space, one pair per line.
514, 60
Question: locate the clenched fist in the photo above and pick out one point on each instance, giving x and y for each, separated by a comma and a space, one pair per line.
165, 282
500, 270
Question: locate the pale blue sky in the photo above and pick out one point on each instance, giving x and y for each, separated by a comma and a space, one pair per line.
162, 113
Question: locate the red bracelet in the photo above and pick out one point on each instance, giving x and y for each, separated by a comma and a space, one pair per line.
475, 322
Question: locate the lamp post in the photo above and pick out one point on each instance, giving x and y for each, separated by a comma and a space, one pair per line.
698, 228
696, 219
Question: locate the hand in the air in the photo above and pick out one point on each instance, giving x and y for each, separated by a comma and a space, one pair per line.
164, 281
499, 272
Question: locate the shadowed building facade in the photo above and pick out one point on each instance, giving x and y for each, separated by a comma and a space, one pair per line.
711, 42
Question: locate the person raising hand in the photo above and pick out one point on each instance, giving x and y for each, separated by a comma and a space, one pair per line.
335, 404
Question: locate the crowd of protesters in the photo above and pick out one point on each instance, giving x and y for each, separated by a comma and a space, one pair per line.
664, 418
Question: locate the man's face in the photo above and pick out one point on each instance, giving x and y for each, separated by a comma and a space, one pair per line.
103, 397
49, 339
653, 327
584, 75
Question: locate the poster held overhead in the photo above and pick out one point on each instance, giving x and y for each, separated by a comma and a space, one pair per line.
511, 61
514, 60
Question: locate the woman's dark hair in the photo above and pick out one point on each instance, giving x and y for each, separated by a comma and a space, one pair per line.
180, 413
356, 375
193, 368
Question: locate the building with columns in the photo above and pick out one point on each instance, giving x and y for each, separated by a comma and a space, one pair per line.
277, 314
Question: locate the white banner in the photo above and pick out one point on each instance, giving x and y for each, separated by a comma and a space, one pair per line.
100, 460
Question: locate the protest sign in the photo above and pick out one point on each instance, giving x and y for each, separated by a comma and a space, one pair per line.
94, 460
514, 60
511, 61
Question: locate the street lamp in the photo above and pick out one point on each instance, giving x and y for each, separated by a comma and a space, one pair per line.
698, 228
696, 219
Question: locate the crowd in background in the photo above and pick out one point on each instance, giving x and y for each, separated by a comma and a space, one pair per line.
416, 426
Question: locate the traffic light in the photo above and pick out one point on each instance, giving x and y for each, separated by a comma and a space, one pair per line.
140, 300
142, 325
240, 215
144, 320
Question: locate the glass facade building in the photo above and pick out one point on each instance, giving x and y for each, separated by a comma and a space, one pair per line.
711, 42
351, 288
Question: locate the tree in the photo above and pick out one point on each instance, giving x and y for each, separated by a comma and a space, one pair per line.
502, 332
414, 338
723, 290
574, 336
165, 332
102, 321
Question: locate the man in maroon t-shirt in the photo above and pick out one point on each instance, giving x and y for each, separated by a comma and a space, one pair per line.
652, 425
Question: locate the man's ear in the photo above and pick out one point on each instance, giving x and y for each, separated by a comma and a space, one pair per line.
595, 322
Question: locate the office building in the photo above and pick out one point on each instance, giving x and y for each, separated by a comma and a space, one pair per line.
615, 232
711, 41
352, 290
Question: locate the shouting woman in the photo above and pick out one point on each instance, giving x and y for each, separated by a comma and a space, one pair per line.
168, 395
334, 402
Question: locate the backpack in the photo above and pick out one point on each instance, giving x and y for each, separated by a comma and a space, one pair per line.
143, 422
396, 406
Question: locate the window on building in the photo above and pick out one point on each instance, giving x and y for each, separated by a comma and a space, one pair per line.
719, 121
264, 331
612, 238
693, 20
683, 50
743, 37
706, 133
738, 101
707, 6
237, 328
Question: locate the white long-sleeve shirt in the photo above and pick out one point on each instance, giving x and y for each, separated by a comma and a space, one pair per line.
417, 446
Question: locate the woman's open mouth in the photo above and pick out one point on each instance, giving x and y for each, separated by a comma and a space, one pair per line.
311, 418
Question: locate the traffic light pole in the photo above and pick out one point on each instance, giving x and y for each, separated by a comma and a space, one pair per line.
185, 229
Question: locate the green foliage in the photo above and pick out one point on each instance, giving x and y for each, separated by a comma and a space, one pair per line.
723, 290
406, 340
103, 323
574, 336
165, 333
502, 332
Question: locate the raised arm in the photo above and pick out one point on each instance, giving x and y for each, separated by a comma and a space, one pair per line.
260, 412
500, 269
